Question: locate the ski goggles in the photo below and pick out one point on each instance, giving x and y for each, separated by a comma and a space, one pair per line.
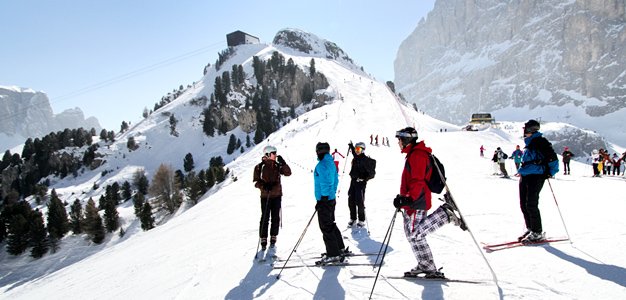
399, 133
358, 149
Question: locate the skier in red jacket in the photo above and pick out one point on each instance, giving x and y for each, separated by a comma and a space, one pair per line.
415, 201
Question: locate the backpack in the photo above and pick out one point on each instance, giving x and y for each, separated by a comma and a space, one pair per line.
370, 166
504, 156
437, 181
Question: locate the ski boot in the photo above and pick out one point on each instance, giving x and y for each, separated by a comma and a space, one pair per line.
450, 207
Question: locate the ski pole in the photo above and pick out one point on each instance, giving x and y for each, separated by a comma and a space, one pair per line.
367, 223
267, 204
393, 221
443, 178
559, 209
386, 235
297, 244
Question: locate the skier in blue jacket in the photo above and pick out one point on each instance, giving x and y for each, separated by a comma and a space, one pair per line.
539, 162
326, 180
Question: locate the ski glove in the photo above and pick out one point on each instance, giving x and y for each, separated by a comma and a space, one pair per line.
401, 201
268, 186
281, 160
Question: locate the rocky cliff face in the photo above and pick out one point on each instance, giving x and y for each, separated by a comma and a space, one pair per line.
27, 113
559, 60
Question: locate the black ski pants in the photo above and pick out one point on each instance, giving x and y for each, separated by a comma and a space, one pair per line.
356, 201
566, 167
529, 188
270, 209
330, 232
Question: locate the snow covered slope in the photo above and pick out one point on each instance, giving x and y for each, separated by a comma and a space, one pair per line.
207, 251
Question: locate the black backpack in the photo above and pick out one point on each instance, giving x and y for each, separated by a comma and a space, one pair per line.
436, 184
437, 181
370, 166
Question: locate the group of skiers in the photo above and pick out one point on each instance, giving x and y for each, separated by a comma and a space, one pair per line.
601, 160
538, 162
374, 140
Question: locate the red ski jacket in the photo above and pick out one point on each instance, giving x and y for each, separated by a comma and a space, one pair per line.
413, 183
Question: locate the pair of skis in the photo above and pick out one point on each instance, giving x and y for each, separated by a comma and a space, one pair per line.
509, 245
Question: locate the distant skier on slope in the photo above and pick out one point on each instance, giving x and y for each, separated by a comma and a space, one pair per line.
501, 157
336, 159
596, 158
516, 156
539, 163
326, 180
567, 156
415, 200
267, 178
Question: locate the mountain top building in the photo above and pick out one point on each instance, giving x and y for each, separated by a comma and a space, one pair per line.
239, 38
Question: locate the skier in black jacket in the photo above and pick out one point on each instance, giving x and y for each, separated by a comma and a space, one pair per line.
360, 173
567, 156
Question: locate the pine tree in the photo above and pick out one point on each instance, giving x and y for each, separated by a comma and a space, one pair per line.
111, 216
76, 217
194, 188
226, 83
93, 222
232, 143
138, 200
312, 67
127, 191
124, 126
173, 123
248, 141
241, 75
140, 181
98, 230
188, 162
17, 235
58, 224
147, 220
38, 237
104, 135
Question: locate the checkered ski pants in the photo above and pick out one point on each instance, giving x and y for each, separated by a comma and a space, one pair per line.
416, 227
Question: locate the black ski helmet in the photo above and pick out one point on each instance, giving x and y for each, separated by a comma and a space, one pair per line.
322, 148
531, 127
407, 135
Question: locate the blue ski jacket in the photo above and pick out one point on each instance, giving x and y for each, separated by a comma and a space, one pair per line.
326, 178
536, 158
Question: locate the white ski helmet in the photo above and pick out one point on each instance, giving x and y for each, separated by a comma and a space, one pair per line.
268, 149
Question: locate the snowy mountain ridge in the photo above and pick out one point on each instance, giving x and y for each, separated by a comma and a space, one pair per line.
26, 113
556, 60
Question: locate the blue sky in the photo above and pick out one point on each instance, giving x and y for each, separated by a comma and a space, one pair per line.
113, 58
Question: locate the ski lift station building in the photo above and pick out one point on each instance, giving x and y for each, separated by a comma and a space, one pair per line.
482, 118
240, 38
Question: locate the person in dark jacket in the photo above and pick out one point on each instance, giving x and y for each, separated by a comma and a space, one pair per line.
360, 173
539, 162
326, 179
415, 201
567, 156
267, 178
